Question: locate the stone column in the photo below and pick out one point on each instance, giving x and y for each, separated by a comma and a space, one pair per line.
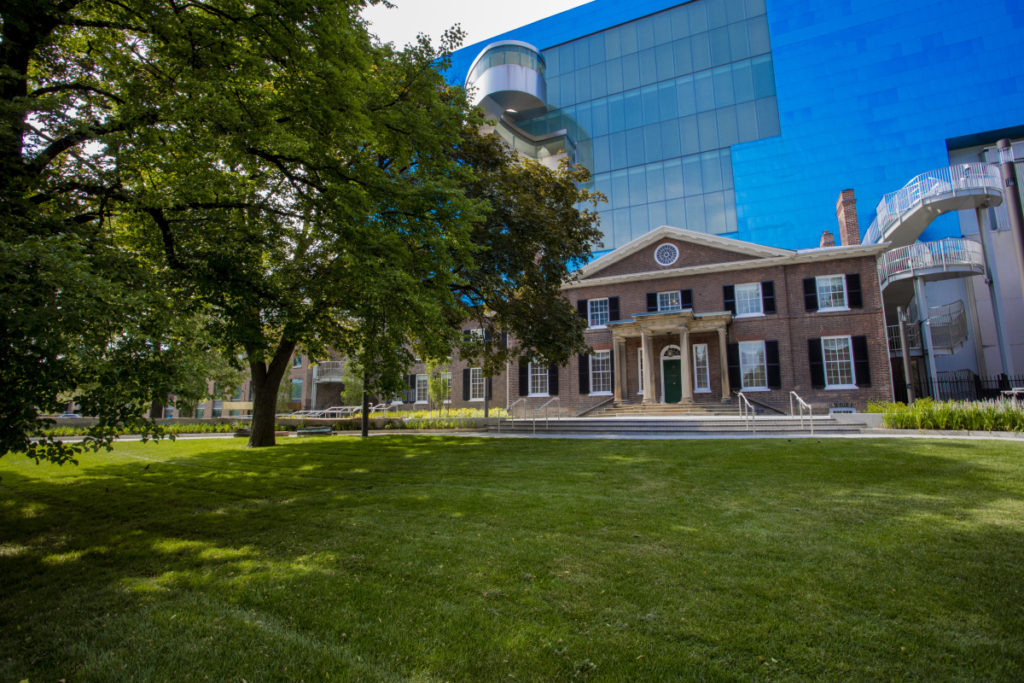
618, 367
685, 366
649, 392
726, 390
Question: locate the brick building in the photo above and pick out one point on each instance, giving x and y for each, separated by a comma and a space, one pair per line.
697, 318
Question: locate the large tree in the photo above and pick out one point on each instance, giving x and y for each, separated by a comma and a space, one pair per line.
265, 166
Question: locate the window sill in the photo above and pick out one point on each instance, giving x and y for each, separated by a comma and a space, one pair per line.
420, 403
839, 309
702, 391
600, 393
476, 400
597, 327
544, 395
839, 387
748, 315
755, 389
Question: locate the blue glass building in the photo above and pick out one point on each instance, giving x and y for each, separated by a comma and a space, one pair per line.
747, 117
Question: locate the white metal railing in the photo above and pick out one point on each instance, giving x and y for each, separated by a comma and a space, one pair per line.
747, 412
512, 408
801, 405
545, 409
329, 371
913, 338
928, 185
944, 255
949, 325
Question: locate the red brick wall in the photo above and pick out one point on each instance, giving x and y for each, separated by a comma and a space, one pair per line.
689, 255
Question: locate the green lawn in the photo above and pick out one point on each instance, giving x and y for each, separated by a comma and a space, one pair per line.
431, 558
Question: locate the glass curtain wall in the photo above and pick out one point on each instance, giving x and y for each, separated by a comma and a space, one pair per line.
656, 104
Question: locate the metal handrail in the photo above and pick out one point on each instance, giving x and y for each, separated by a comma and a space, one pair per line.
802, 404
545, 409
511, 408
928, 185
943, 255
747, 412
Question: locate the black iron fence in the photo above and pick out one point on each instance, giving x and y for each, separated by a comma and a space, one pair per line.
963, 388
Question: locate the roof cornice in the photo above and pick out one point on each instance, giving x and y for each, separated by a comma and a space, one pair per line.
789, 258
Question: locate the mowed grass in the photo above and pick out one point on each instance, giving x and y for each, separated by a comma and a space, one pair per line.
443, 558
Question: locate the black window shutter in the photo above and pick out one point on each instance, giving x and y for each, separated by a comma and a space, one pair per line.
487, 388
861, 367
771, 357
504, 340
817, 363
652, 302
613, 308
465, 384
465, 335
487, 334
732, 355
581, 308
584, 373
553, 379
686, 298
611, 365
410, 388
810, 294
854, 298
768, 296
729, 298
524, 379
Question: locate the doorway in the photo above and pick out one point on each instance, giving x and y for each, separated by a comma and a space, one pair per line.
671, 375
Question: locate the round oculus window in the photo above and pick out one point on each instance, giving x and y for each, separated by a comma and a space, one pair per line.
666, 254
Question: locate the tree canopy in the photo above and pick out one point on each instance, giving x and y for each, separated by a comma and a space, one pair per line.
181, 177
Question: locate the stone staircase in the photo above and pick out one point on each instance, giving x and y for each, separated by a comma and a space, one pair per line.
665, 420
719, 409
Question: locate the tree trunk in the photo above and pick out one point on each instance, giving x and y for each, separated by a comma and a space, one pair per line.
364, 422
266, 380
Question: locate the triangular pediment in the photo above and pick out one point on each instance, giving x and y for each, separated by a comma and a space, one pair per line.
649, 253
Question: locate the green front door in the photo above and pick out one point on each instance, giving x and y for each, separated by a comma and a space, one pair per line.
673, 385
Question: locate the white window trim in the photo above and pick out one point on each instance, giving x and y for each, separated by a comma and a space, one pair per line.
529, 381
846, 295
707, 373
610, 373
481, 399
764, 355
669, 293
426, 380
853, 365
760, 300
590, 325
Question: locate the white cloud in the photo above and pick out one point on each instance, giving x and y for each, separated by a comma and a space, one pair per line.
481, 19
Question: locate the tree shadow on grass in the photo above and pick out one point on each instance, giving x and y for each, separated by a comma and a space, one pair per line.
476, 558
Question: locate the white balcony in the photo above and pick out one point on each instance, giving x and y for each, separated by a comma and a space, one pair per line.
903, 215
329, 371
942, 260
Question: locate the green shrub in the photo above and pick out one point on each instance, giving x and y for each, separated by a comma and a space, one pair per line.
983, 416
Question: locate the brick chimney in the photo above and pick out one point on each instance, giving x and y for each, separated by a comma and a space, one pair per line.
827, 240
846, 212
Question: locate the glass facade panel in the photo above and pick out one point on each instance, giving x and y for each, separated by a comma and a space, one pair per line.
656, 104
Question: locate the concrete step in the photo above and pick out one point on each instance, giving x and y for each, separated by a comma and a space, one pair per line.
679, 425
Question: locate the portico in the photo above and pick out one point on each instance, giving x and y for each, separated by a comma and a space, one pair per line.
681, 325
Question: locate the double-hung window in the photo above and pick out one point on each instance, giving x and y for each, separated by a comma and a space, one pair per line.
831, 292
701, 369
601, 372
422, 389
297, 361
838, 357
476, 384
753, 368
669, 301
597, 312
296, 390
538, 379
748, 299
